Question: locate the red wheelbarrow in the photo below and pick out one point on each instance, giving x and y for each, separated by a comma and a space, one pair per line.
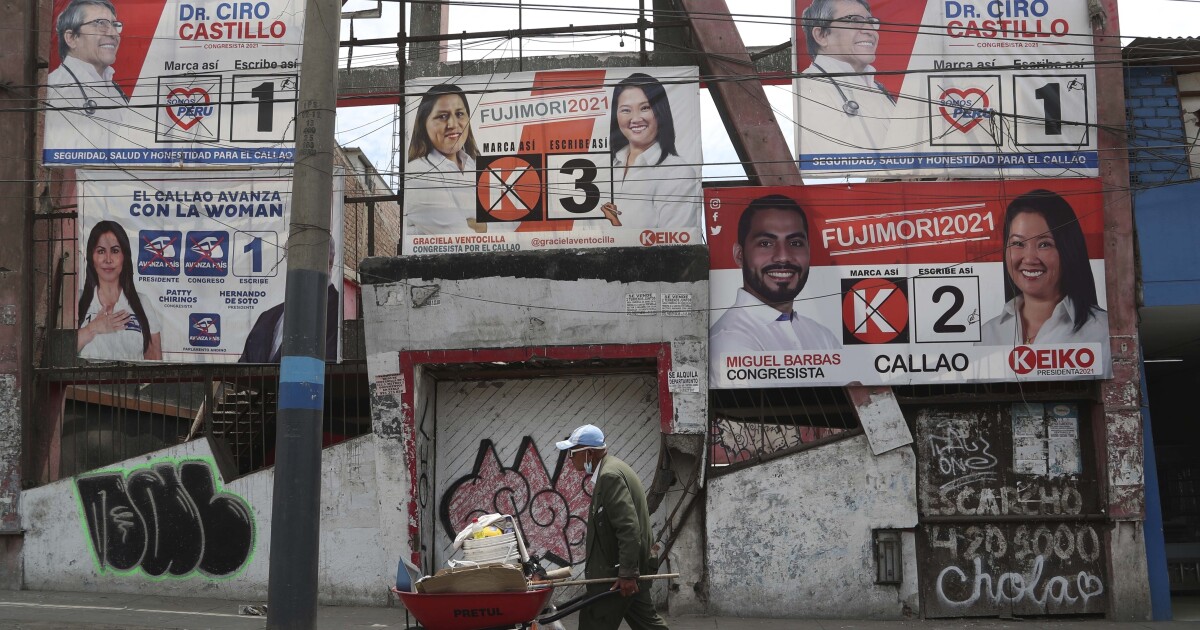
476, 611
496, 611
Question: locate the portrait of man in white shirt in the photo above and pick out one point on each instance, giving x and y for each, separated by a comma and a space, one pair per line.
843, 109
774, 254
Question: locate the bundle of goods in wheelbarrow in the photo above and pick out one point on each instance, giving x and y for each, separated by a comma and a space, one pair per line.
501, 587
494, 558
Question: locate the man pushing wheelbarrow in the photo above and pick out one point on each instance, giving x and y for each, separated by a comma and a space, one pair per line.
618, 536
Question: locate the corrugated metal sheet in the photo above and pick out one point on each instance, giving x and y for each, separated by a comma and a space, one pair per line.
495, 452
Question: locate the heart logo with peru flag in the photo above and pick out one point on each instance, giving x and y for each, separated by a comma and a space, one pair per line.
188, 106
964, 109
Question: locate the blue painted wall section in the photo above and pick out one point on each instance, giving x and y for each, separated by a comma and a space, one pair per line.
1168, 220
1155, 122
1165, 204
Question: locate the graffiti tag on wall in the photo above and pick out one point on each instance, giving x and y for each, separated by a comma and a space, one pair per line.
1016, 588
1046, 568
734, 441
1038, 555
551, 509
167, 519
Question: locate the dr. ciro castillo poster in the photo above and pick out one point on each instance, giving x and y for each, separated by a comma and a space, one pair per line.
188, 267
907, 283
556, 159
959, 88
151, 82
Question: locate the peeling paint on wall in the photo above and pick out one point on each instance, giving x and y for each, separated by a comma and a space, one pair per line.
792, 537
10, 451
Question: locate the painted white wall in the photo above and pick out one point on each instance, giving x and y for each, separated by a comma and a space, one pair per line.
791, 538
59, 556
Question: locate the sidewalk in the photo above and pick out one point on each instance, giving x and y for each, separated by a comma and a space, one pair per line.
29, 610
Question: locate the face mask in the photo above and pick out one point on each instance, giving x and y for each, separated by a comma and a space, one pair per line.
587, 465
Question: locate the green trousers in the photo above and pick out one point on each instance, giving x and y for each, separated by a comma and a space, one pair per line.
637, 611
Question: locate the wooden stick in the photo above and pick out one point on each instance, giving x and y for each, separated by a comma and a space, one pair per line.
569, 582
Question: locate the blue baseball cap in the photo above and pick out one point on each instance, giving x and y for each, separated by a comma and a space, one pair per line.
587, 435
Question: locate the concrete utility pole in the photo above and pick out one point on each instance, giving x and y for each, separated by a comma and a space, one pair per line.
296, 504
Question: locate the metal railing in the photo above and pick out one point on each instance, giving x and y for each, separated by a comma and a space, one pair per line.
89, 416
749, 426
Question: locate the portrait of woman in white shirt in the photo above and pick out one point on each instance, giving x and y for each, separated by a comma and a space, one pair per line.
439, 183
1049, 284
113, 321
653, 187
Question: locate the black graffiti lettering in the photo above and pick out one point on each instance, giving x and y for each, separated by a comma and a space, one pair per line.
174, 534
117, 531
219, 513
166, 519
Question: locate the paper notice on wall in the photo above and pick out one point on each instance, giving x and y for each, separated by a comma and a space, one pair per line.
1062, 455
1027, 419
1029, 455
389, 385
686, 379
641, 303
676, 304
1029, 438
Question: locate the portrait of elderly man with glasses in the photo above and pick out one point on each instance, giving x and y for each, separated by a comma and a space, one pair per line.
85, 106
842, 108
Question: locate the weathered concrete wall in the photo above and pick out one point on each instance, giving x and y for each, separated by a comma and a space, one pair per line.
468, 308
792, 537
167, 521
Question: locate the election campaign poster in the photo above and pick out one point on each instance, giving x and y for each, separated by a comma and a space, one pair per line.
179, 82
554, 159
189, 267
951, 88
907, 283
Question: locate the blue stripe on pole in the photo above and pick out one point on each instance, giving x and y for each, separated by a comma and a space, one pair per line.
302, 383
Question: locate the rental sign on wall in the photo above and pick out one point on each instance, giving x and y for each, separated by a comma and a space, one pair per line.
957, 88
180, 82
907, 283
549, 160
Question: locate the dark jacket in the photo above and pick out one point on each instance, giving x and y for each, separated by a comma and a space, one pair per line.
262, 335
618, 532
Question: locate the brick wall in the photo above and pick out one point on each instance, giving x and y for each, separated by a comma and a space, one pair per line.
1156, 138
355, 222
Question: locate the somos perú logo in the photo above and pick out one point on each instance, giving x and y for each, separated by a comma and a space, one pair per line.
1052, 361
650, 238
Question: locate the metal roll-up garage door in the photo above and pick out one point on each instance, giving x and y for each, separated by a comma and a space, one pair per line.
494, 452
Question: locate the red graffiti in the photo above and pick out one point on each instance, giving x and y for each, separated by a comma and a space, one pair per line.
551, 509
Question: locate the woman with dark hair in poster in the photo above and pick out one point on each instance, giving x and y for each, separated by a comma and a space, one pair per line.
439, 185
653, 187
113, 321
1048, 278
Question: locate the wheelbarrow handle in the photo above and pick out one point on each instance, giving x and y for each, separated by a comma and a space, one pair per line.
575, 605
557, 583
